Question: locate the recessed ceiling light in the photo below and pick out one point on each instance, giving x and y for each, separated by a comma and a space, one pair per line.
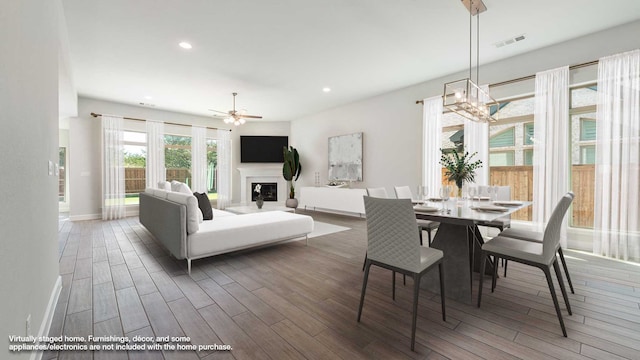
185, 45
148, 97
326, 89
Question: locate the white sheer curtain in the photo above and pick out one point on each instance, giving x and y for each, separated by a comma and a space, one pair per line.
113, 187
617, 198
551, 147
155, 171
476, 139
224, 168
431, 143
199, 159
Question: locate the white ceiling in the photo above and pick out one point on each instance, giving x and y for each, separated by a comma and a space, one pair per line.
279, 54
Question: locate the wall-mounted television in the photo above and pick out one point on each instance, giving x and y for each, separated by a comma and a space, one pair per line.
262, 149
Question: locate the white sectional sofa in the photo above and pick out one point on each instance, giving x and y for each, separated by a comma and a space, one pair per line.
175, 220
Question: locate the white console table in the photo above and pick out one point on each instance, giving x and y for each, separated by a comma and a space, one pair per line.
333, 199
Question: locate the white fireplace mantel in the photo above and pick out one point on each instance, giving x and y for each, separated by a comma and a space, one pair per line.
261, 174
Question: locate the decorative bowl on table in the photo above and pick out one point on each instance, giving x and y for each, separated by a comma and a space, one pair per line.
336, 184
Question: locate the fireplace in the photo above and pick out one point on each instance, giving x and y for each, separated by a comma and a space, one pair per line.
269, 191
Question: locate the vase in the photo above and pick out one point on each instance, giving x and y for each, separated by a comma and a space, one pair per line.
291, 203
460, 192
259, 201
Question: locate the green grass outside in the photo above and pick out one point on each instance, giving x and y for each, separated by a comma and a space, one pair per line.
134, 199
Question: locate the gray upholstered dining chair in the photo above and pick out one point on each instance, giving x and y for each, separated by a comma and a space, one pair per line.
378, 192
392, 243
541, 255
404, 192
538, 237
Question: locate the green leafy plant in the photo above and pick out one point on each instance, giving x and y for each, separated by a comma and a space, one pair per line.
291, 168
460, 168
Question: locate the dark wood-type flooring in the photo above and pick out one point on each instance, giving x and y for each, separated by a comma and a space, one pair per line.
292, 301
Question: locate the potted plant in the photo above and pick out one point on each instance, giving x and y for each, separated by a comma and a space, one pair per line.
460, 168
291, 171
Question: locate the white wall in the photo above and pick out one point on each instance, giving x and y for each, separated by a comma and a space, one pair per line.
84, 147
28, 141
392, 122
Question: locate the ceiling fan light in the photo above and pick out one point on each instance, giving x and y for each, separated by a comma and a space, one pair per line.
236, 123
242, 121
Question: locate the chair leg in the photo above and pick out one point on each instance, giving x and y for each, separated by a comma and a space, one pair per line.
364, 263
483, 264
364, 287
429, 235
505, 267
393, 285
556, 267
441, 271
495, 273
547, 273
404, 279
416, 292
420, 233
566, 271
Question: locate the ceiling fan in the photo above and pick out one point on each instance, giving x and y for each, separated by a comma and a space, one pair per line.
237, 117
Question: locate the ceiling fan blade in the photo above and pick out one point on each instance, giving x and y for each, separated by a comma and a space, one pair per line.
221, 112
249, 116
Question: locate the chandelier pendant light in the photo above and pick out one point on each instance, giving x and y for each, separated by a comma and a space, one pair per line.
464, 96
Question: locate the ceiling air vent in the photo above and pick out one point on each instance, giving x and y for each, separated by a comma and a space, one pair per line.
509, 41
147, 104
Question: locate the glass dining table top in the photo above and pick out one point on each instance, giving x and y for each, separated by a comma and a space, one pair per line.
466, 210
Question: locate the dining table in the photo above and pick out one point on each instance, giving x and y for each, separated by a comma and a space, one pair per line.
460, 239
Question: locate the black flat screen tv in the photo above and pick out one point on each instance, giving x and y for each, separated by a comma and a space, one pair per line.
262, 149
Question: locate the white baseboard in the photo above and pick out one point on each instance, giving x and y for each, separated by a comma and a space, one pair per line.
85, 217
45, 326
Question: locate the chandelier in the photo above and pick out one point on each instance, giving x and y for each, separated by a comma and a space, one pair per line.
465, 97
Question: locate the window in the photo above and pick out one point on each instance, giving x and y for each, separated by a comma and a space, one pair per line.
587, 129
177, 158
503, 139
583, 154
528, 157
588, 154
510, 149
502, 158
135, 164
212, 169
528, 134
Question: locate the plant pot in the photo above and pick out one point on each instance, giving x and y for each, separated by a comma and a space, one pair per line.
291, 203
259, 202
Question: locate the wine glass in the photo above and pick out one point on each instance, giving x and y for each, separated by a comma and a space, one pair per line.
473, 192
444, 195
495, 193
490, 192
420, 193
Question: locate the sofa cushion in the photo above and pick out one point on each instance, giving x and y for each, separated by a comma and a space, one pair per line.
228, 233
192, 209
162, 194
205, 205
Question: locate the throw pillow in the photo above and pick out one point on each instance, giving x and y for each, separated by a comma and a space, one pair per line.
164, 185
205, 205
174, 185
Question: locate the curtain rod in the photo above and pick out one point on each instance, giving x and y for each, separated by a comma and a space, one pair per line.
168, 123
530, 77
